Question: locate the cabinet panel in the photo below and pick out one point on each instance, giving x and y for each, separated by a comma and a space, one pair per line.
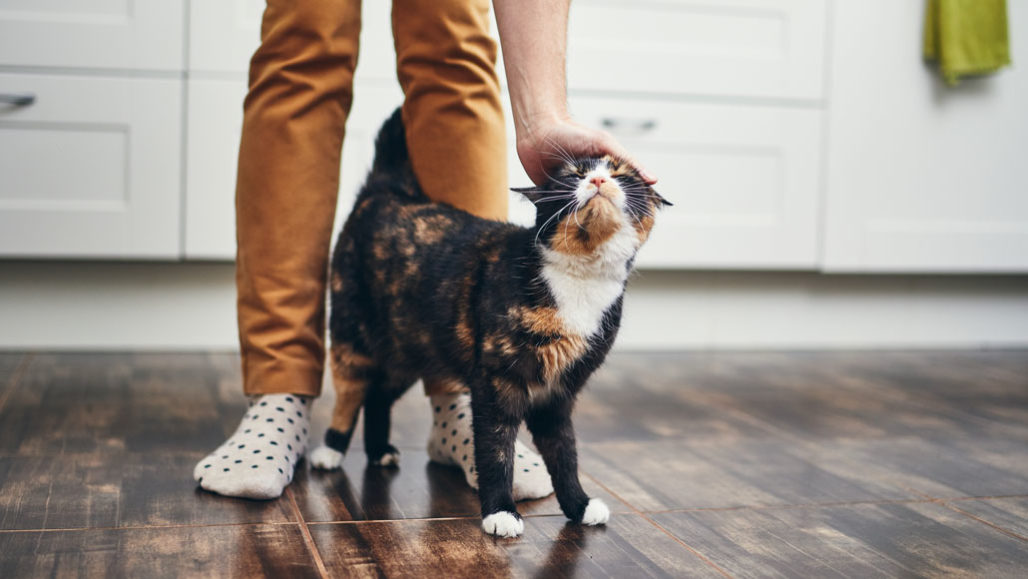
744, 180
91, 169
121, 34
225, 34
751, 48
923, 177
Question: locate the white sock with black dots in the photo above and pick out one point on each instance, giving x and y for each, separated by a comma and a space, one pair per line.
451, 442
258, 460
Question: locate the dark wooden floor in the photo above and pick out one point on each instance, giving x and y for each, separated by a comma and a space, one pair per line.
738, 465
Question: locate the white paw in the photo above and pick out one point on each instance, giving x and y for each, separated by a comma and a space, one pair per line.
389, 459
326, 458
596, 513
503, 524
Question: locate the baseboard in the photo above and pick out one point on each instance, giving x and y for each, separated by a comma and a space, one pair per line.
190, 306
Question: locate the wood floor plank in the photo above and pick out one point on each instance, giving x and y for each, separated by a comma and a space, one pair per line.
946, 467
103, 440
628, 546
908, 540
224, 551
824, 395
9, 362
801, 428
417, 489
82, 403
1010, 514
662, 475
91, 490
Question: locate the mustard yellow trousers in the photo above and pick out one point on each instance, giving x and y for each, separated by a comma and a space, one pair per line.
301, 89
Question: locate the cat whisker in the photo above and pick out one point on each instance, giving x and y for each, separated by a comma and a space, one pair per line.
560, 150
547, 222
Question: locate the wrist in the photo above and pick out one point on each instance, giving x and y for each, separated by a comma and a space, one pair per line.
534, 126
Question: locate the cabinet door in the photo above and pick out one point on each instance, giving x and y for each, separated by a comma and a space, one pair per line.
225, 33
215, 123
748, 48
92, 168
744, 180
923, 177
215, 120
122, 34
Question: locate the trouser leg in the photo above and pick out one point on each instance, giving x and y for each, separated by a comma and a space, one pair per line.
301, 81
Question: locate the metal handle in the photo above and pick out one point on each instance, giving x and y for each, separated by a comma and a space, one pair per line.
18, 100
634, 126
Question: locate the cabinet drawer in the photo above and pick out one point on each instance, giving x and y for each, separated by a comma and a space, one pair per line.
748, 48
91, 169
223, 35
744, 180
120, 34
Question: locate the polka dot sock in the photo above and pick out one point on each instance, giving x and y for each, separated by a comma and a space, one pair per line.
258, 460
451, 442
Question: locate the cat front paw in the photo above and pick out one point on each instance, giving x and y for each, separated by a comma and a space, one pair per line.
596, 513
504, 524
326, 458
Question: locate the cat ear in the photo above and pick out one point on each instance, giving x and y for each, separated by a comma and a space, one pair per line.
663, 201
533, 194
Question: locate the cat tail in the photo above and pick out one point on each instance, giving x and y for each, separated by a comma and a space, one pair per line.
392, 162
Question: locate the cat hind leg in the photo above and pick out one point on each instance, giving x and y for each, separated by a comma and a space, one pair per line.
378, 407
351, 373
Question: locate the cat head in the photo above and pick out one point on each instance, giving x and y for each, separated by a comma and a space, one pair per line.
589, 202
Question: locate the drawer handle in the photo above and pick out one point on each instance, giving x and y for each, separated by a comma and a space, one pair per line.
631, 126
18, 100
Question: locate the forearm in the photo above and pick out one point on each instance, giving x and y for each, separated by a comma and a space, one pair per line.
533, 34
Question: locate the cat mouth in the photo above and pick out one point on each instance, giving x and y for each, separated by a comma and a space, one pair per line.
604, 198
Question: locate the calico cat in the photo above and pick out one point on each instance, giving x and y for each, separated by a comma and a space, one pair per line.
521, 316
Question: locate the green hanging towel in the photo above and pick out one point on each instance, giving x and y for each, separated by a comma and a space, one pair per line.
966, 37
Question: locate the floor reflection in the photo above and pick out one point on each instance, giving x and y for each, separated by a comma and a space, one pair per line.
562, 559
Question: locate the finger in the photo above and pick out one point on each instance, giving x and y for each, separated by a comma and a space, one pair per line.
615, 148
648, 177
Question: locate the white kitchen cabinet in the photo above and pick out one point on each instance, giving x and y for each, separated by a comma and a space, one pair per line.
742, 48
91, 168
744, 180
98, 34
922, 177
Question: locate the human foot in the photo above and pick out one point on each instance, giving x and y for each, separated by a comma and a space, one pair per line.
451, 442
258, 460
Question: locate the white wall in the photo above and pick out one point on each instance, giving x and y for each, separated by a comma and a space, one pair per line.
72, 305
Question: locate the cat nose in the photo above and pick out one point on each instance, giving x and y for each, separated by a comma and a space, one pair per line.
598, 181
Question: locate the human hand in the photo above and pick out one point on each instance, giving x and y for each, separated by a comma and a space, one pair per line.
549, 142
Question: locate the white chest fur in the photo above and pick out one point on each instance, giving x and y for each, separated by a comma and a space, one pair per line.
585, 287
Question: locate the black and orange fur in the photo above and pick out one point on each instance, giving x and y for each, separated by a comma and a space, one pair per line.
424, 290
